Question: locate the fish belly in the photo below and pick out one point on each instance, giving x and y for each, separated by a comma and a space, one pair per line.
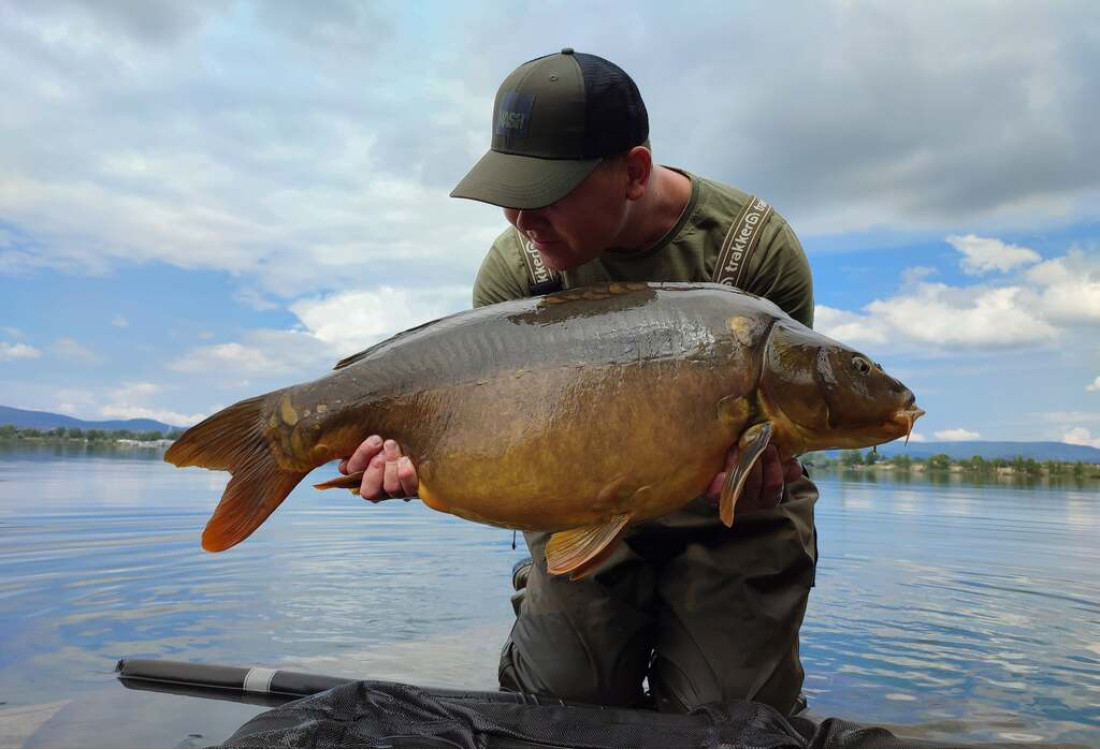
574, 446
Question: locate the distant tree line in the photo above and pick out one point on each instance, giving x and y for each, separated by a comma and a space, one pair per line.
11, 432
941, 462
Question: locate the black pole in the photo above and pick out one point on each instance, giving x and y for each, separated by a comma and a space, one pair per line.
269, 687
247, 684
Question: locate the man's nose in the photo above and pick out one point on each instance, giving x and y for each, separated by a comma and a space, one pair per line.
528, 219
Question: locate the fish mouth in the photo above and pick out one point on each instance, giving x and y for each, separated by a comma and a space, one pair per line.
906, 418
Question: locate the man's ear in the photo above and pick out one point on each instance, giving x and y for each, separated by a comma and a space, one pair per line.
639, 167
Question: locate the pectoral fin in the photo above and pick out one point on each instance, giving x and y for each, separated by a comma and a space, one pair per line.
734, 411
578, 551
751, 446
344, 481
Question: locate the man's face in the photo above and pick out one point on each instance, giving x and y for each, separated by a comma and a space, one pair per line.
583, 224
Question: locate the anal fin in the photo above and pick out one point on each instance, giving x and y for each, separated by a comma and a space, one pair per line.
578, 551
344, 481
751, 446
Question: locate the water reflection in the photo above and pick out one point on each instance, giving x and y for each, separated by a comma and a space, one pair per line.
942, 477
979, 605
960, 612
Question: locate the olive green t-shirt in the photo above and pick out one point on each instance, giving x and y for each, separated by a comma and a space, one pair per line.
777, 269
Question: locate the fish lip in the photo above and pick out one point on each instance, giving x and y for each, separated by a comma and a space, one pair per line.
906, 418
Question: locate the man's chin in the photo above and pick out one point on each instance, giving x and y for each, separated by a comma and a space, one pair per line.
548, 252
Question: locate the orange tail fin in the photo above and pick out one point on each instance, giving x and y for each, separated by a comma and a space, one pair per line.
232, 440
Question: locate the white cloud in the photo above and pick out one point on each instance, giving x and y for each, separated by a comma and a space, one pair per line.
72, 349
128, 400
17, 351
227, 163
332, 327
1068, 287
851, 328
1080, 436
1094, 385
956, 434
254, 299
941, 316
74, 401
983, 254
15, 333
133, 401
327, 153
914, 437
1034, 309
880, 159
261, 354
351, 321
120, 321
1068, 417
141, 412
913, 275
135, 392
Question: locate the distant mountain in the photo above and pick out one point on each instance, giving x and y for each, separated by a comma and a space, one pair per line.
44, 420
990, 449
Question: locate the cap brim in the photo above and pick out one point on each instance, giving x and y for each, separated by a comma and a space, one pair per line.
524, 182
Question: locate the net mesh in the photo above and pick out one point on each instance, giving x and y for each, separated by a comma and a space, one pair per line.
384, 714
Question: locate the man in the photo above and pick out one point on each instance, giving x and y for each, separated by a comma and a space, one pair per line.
700, 611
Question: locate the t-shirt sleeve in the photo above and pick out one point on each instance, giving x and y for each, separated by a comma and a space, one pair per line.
502, 275
783, 274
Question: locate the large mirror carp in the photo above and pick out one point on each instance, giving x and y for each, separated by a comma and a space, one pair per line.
576, 413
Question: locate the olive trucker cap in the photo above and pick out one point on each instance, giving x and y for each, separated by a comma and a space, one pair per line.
555, 118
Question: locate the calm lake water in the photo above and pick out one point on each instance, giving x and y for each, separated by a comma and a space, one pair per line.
955, 612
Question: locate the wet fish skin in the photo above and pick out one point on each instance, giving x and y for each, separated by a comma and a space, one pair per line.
577, 413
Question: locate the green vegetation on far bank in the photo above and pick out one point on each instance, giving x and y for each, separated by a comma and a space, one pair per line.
75, 434
941, 463
865, 462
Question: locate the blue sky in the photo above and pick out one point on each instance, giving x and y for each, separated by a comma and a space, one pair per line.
203, 201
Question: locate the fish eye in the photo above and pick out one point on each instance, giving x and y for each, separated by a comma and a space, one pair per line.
862, 365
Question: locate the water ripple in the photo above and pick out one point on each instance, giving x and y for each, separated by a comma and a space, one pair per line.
959, 614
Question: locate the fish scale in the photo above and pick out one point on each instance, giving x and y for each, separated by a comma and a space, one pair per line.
645, 386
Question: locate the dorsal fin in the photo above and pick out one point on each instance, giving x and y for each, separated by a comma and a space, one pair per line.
352, 359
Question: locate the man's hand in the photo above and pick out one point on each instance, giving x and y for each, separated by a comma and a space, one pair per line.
386, 472
763, 488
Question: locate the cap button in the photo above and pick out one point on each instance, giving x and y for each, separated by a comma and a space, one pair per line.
567, 50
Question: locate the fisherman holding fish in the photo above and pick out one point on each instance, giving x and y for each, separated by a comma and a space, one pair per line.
591, 400
701, 611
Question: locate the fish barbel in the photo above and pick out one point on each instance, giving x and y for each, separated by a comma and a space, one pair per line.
576, 413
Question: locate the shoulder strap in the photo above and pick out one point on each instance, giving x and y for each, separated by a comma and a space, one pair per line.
541, 280
740, 241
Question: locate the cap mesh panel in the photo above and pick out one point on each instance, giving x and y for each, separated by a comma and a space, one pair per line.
616, 117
